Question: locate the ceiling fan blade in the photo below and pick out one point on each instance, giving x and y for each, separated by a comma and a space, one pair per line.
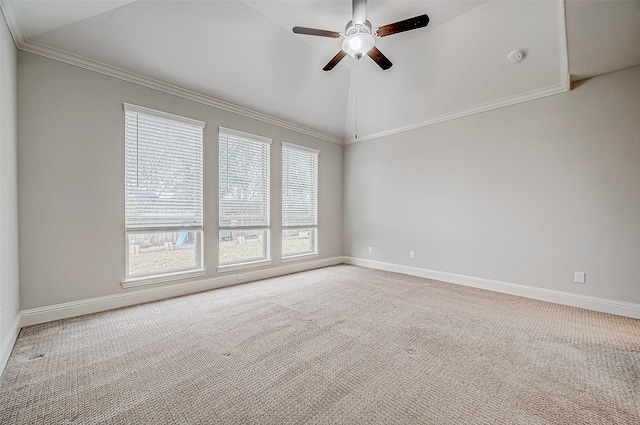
333, 62
379, 58
406, 25
359, 11
313, 31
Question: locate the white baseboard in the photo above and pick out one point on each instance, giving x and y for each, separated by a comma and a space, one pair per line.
604, 305
93, 305
7, 343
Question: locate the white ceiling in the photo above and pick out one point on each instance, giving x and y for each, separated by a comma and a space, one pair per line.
244, 53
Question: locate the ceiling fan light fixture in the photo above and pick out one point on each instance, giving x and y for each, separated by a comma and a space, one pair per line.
357, 45
358, 39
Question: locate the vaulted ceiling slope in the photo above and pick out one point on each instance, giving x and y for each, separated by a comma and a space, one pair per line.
243, 56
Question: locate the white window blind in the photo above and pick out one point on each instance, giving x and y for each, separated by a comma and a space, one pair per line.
163, 170
244, 179
299, 186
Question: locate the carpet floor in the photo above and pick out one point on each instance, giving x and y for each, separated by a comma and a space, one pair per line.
341, 344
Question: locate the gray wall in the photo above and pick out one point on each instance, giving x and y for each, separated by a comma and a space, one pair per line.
9, 288
525, 194
71, 179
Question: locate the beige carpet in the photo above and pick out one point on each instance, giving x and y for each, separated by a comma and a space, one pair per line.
336, 345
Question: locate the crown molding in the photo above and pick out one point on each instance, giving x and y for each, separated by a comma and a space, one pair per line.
563, 41
500, 103
36, 48
60, 55
563, 86
12, 22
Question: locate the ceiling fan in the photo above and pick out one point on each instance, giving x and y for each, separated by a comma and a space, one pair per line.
360, 39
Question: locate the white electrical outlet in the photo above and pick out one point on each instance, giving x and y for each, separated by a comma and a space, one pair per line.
242, 276
412, 254
370, 250
579, 277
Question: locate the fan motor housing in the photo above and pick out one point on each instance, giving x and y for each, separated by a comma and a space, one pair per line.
353, 28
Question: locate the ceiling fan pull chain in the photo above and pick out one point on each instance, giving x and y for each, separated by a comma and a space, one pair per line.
357, 67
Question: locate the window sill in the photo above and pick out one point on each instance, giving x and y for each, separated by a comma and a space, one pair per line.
159, 278
242, 266
298, 257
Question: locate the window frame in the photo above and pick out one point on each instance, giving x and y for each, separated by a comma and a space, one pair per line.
266, 229
313, 225
302, 255
168, 275
197, 227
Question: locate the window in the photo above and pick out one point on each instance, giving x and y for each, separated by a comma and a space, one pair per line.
163, 205
244, 199
299, 200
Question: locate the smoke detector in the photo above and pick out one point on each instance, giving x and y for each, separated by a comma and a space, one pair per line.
515, 56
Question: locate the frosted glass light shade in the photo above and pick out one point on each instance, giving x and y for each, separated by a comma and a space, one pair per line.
357, 45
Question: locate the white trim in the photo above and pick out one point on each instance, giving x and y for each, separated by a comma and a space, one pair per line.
298, 257
7, 343
121, 74
300, 148
243, 266
500, 103
604, 305
79, 61
166, 115
565, 76
93, 305
233, 227
167, 229
12, 22
132, 282
563, 86
244, 135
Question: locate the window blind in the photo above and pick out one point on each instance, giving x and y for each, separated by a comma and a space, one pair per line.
163, 166
244, 179
299, 186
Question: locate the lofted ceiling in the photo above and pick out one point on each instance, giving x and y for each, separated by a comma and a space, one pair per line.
243, 56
